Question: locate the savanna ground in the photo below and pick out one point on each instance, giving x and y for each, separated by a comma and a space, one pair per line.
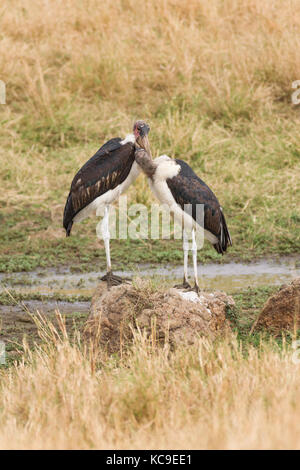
214, 80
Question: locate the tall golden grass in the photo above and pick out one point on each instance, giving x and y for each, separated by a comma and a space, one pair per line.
51, 51
80, 71
211, 396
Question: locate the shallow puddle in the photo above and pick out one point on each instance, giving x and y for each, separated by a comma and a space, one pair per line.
228, 277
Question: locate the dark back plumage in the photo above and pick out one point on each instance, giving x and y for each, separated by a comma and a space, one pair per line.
188, 188
107, 169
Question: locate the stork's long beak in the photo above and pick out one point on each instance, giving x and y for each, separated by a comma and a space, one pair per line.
144, 144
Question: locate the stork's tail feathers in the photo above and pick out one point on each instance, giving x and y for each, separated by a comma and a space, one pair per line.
225, 238
69, 228
68, 216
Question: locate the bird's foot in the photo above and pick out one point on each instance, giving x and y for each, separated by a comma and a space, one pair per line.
184, 285
196, 289
113, 279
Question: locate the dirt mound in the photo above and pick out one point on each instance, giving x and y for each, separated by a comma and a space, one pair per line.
166, 315
281, 312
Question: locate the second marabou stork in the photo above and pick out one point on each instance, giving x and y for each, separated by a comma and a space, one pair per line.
101, 180
176, 185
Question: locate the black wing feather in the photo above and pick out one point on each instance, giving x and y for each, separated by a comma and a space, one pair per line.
108, 168
188, 188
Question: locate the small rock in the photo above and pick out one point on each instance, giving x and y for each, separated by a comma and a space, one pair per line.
281, 312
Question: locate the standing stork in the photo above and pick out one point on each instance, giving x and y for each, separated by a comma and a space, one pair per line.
101, 180
175, 184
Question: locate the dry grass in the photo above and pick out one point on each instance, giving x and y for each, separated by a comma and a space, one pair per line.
212, 396
78, 72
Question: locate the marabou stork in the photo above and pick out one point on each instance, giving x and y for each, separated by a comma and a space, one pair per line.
101, 180
175, 184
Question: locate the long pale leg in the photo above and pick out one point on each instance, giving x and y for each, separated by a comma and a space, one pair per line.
194, 252
106, 237
109, 277
185, 246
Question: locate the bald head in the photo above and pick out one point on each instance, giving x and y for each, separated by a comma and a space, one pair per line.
141, 130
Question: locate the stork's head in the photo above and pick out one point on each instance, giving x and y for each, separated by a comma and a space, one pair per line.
141, 130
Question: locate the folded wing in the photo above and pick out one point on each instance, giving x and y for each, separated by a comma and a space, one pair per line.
188, 189
106, 170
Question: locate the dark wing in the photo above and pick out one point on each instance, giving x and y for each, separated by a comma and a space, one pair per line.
188, 188
107, 169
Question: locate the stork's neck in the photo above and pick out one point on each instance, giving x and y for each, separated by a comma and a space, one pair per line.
145, 162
